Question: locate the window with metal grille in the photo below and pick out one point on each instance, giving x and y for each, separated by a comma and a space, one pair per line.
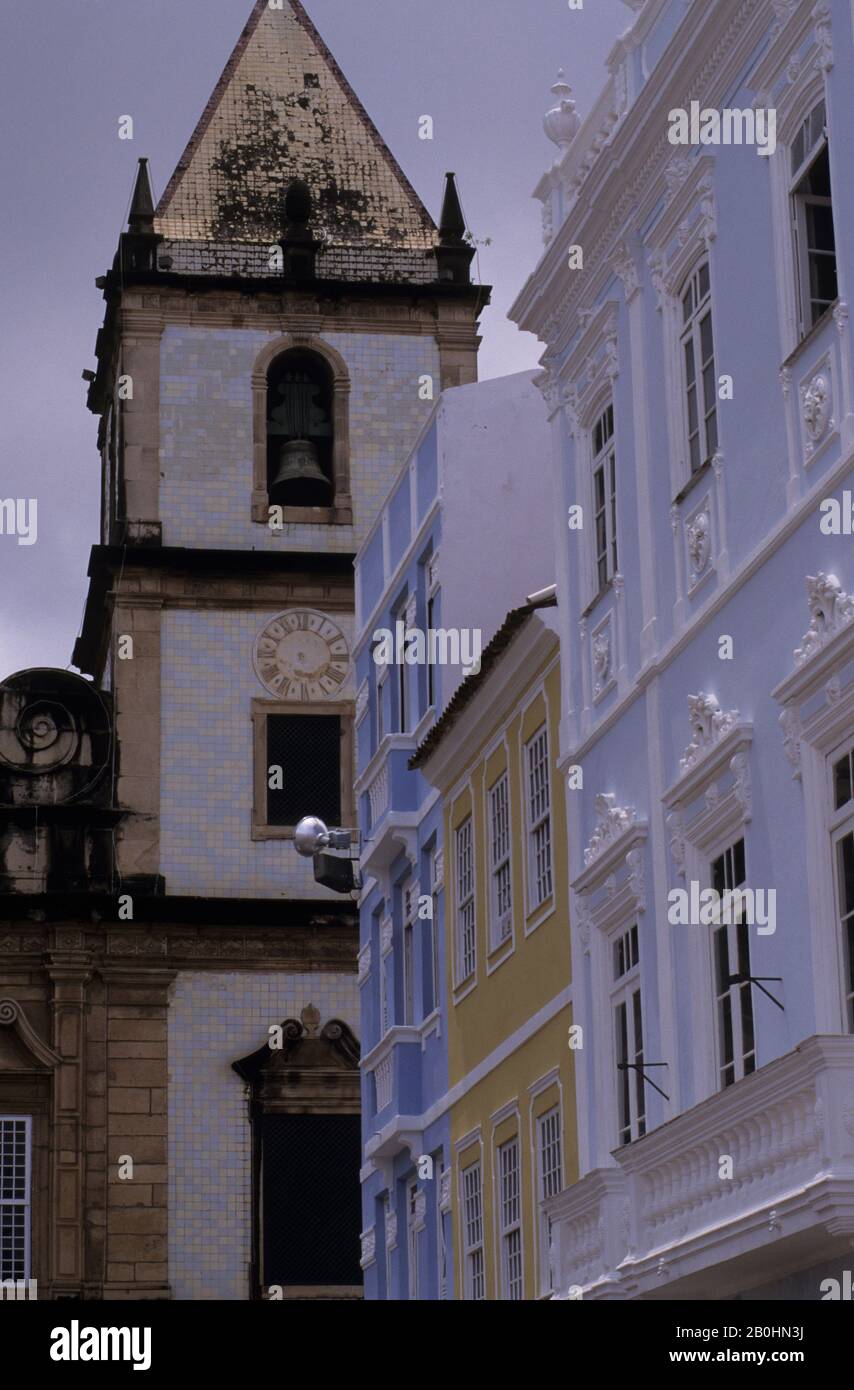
539, 819
698, 361
511, 1221
842, 832
15, 1195
433, 925
307, 747
605, 497
628, 1037
499, 853
550, 1175
733, 990
812, 217
431, 668
474, 1287
311, 1199
464, 858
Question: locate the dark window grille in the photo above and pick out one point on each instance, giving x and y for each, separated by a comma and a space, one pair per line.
308, 750
311, 1199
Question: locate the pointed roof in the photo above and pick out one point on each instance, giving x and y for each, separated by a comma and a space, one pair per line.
141, 216
283, 110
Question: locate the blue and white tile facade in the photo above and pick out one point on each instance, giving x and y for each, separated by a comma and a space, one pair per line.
208, 685
426, 562
214, 1020
207, 433
710, 668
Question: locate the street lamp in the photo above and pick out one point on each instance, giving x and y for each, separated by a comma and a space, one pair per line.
311, 838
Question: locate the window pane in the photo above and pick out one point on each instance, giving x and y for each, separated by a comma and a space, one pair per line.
845, 853
308, 750
842, 781
703, 279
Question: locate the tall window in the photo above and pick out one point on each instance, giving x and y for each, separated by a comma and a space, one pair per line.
307, 750
299, 430
409, 913
431, 670
440, 1234
412, 1237
464, 858
734, 992
15, 1196
511, 1221
698, 360
605, 497
385, 1020
382, 677
499, 857
812, 219
628, 1036
550, 1180
389, 1267
842, 830
473, 1233
434, 927
402, 681
539, 819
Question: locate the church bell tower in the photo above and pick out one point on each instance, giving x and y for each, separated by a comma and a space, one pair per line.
275, 330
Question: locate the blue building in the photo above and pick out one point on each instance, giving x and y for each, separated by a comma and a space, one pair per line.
693, 300
442, 560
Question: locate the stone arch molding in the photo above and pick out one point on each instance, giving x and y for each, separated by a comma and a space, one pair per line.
21, 1048
341, 511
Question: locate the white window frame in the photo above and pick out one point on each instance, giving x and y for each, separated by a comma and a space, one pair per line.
471, 1214
626, 988
382, 677
604, 461
435, 959
734, 993
797, 213
512, 1261
500, 869
840, 825
412, 1229
410, 913
465, 904
539, 823
549, 1181
690, 333
8, 1142
441, 1242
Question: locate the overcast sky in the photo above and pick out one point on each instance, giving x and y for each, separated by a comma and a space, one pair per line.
70, 68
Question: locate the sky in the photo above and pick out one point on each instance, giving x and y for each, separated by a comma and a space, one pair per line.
69, 69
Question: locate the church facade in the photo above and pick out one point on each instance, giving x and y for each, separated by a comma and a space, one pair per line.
179, 1034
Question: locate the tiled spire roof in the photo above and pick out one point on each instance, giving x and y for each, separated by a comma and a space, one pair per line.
284, 110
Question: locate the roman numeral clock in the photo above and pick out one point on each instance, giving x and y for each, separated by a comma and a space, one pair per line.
302, 655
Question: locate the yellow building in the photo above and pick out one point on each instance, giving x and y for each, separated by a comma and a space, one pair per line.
510, 1067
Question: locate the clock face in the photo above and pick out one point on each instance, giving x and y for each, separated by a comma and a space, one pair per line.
302, 655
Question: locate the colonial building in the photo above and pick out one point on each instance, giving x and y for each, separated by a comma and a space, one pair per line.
466, 525
491, 756
693, 300
179, 1027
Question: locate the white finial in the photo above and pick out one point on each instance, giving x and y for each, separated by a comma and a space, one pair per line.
561, 122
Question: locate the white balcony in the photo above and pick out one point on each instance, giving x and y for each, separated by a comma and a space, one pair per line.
663, 1223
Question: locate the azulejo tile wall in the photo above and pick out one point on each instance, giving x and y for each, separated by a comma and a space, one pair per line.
214, 1020
206, 433
208, 685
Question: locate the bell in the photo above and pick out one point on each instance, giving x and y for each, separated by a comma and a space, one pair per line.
299, 463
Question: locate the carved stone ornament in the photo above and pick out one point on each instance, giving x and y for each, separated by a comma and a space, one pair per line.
709, 724
369, 1247
831, 610
386, 930
699, 537
611, 822
601, 660
790, 723
816, 405
364, 963
391, 1228
362, 701
445, 1191
561, 121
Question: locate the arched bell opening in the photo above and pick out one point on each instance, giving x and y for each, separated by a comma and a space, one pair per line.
300, 430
